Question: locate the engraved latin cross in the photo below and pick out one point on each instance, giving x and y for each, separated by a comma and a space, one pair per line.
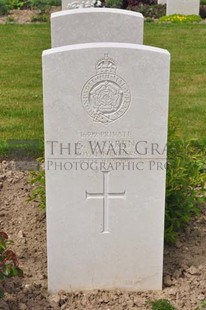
106, 196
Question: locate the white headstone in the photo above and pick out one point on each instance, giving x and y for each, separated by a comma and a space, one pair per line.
96, 25
162, 1
185, 7
105, 113
77, 4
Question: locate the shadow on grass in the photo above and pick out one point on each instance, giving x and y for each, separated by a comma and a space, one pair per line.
21, 149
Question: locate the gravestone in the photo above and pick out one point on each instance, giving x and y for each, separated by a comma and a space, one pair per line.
105, 119
185, 7
77, 4
162, 1
96, 25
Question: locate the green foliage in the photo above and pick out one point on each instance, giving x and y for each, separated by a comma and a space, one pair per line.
202, 2
161, 304
43, 5
186, 179
134, 3
202, 306
3, 8
113, 3
54, 2
177, 18
8, 260
152, 11
37, 180
15, 4
42, 18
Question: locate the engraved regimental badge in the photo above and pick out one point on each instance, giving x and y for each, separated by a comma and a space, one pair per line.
106, 96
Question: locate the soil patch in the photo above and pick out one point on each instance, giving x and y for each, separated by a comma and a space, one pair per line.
184, 263
24, 16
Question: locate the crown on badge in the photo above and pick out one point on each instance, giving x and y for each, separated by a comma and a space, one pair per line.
106, 65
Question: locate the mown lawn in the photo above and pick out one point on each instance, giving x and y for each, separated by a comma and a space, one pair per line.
21, 113
187, 45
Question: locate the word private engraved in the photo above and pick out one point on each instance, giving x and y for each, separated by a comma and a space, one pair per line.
106, 96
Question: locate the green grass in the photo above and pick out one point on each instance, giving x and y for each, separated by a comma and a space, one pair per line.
162, 304
188, 73
21, 112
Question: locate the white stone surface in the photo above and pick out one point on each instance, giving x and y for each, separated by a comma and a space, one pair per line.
105, 118
162, 1
185, 7
96, 25
77, 4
